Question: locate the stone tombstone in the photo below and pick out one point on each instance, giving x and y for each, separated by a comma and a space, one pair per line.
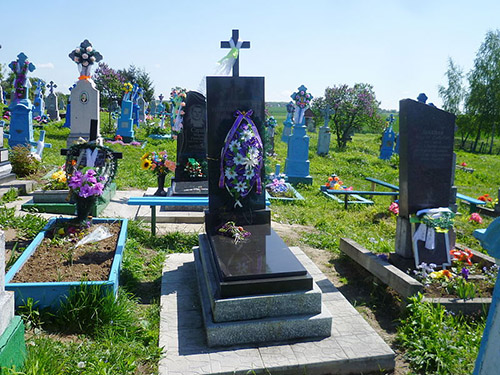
5, 165
142, 106
425, 164
6, 297
324, 136
152, 107
21, 124
125, 127
192, 144
84, 96
51, 103
38, 103
288, 123
297, 160
388, 140
225, 96
309, 118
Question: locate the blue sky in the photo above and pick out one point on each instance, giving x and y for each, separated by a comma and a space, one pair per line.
400, 47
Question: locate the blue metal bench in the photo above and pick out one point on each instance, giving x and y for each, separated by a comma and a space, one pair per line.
473, 202
375, 182
331, 193
154, 201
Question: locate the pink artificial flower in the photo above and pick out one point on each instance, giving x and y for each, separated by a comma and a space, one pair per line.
476, 217
464, 164
394, 208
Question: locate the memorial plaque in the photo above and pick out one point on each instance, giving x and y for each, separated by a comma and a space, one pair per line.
426, 156
191, 142
225, 96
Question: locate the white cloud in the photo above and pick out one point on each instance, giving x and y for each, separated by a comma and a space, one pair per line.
48, 65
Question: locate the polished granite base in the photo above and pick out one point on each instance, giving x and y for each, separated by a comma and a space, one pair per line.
260, 264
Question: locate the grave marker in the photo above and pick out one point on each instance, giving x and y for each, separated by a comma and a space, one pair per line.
388, 138
324, 136
52, 105
67, 119
191, 170
288, 123
425, 168
21, 125
125, 127
5, 165
297, 160
235, 44
142, 106
84, 96
38, 104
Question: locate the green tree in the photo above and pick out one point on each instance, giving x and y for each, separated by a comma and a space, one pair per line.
109, 83
139, 77
354, 108
483, 101
452, 95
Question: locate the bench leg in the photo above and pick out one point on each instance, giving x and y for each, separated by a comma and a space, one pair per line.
373, 189
345, 201
153, 220
472, 208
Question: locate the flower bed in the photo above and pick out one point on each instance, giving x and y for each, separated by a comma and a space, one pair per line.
49, 294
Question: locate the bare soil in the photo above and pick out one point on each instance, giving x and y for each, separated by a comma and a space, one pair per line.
58, 260
379, 305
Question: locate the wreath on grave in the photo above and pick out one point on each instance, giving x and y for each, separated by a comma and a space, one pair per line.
85, 54
20, 80
99, 158
241, 158
177, 97
194, 169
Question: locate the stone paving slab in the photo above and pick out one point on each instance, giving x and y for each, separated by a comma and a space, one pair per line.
353, 348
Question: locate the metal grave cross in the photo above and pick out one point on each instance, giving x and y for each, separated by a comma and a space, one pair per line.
51, 85
234, 39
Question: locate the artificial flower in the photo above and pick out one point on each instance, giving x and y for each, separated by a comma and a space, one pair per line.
476, 217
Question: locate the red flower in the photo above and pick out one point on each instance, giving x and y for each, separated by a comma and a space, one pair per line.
462, 255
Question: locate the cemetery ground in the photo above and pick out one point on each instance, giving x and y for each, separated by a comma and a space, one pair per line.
123, 341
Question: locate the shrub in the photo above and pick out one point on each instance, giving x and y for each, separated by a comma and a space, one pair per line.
23, 162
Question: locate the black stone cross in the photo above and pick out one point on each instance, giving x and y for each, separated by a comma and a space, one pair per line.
51, 85
234, 38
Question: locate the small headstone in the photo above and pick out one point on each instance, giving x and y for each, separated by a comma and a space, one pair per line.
135, 106
142, 106
21, 125
324, 136
297, 160
51, 102
38, 103
125, 127
425, 167
309, 117
388, 137
67, 119
191, 170
84, 96
5, 165
287, 130
152, 107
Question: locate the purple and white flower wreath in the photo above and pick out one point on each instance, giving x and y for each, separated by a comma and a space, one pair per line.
241, 158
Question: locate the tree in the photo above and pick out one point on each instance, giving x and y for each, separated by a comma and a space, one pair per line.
140, 78
354, 107
452, 95
483, 101
109, 83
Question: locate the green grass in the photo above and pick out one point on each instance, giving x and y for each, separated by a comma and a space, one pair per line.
126, 351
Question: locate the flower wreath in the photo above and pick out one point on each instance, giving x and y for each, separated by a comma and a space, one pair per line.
20, 80
177, 97
73, 161
194, 169
241, 158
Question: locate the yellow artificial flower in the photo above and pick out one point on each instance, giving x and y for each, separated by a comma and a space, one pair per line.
441, 274
145, 156
146, 164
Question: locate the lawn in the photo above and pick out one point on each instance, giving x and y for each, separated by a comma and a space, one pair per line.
129, 349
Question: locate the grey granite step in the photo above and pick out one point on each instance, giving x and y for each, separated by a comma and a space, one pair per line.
251, 307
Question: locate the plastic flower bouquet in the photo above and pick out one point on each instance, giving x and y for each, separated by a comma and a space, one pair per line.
58, 181
157, 162
87, 184
279, 188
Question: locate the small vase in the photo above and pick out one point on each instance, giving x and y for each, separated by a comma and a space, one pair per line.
161, 184
84, 207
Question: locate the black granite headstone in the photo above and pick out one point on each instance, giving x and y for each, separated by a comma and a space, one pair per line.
425, 156
225, 96
192, 144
